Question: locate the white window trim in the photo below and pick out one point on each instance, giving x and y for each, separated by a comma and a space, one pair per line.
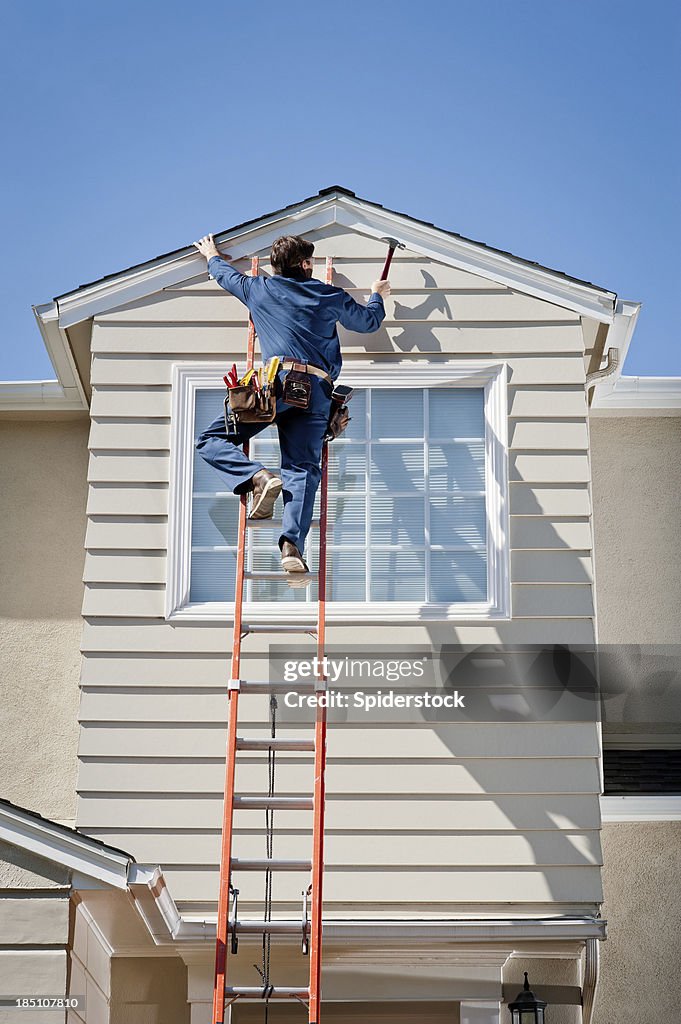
190, 377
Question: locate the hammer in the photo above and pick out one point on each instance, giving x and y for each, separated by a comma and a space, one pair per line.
392, 244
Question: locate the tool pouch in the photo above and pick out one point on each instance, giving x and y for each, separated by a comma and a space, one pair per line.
297, 389
247, 405
339, 417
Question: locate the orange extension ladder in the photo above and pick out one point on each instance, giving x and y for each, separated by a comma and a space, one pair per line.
310, 927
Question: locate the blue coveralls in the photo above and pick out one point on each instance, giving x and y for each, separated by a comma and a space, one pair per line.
294, 319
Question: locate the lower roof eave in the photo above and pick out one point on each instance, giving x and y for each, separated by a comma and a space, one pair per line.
407, 930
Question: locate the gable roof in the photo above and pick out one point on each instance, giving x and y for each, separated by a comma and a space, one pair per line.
337, 190
336, 205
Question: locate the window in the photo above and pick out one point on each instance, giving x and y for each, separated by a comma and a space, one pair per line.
416, 504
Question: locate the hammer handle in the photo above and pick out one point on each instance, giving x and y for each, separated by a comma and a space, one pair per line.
386, 265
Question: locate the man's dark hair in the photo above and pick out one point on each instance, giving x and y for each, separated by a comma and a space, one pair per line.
288, 252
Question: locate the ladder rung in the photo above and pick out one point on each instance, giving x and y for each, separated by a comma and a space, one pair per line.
287, 743
278, 576
269, 927
282, 803
278, 992
273, 864
263, 687
280, 627
255, 523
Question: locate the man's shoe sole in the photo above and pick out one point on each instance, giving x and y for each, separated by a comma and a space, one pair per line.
292, 563
263, 505
298, 573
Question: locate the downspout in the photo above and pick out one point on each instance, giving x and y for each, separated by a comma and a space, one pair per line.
590, 978
613, 361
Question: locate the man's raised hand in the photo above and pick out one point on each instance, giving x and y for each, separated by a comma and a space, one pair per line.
208, 248
382, 287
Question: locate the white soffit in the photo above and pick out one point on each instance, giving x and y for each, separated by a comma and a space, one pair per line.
317, 213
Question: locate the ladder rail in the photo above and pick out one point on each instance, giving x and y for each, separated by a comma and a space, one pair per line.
222, 929
319, 797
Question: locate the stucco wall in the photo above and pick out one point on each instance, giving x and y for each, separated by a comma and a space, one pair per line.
640, 960
43, 489
636, 466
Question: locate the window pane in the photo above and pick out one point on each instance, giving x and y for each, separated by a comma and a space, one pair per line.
458, 576
265, 448
456, 412
347, 467
458, 520
397, 521
215, 521
457, 467
357, 407
213, 576
346, 524
397, 412
397, 467
346, 573
210, 403
398, 575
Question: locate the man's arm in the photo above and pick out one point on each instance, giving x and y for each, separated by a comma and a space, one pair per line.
365, 319
219, 269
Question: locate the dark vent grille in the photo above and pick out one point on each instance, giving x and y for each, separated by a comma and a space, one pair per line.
642, 771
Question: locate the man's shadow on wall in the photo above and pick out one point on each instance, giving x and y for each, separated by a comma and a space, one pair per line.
418, 336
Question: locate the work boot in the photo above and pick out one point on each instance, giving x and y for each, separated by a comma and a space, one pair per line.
293, 563
266, 490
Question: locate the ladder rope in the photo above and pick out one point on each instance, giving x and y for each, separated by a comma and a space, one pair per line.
269, 853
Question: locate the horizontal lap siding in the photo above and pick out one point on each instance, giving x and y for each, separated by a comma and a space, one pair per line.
493, 813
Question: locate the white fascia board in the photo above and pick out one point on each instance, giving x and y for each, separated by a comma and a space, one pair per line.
75, 851
475, 259
418, 930
640, 808
59, 351
165, 272
316, 214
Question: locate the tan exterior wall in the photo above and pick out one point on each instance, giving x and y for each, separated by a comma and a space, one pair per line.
43, 468
640, 960
636, 464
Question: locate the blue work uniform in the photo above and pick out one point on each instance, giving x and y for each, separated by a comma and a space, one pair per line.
295, 319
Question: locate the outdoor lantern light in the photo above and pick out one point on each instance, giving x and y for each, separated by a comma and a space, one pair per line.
526, 1008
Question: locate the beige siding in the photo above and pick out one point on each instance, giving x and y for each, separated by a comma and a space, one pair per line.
500, 816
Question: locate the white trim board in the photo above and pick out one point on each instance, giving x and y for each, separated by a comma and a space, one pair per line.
317, 213
640, 808
190, 377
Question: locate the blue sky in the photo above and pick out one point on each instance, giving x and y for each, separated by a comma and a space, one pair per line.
548, 129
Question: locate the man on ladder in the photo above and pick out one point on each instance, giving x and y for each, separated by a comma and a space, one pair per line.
296, 318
